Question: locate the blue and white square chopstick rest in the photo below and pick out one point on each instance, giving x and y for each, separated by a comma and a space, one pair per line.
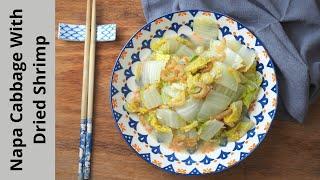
74, 32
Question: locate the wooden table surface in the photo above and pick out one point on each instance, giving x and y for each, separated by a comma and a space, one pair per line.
290, 150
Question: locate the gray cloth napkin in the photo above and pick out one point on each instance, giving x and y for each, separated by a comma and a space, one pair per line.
289, 29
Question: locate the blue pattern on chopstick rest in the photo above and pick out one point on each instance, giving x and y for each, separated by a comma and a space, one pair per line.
73, 32
87, 152
83, 129
106, 32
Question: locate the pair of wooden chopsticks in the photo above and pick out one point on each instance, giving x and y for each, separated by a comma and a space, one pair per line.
87, 92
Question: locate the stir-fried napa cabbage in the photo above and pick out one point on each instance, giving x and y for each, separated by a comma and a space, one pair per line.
232, 119
239, 130
195, 89
209, 129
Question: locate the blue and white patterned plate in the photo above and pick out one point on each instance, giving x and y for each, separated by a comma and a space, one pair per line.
134, 133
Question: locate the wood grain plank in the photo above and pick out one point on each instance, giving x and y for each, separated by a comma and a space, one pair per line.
290, 151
